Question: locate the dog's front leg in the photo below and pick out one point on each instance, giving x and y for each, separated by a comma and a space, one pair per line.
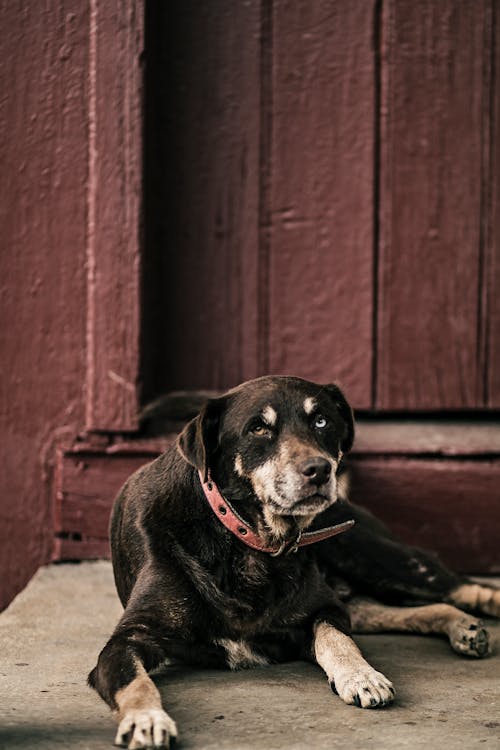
143, 722
121, 679
349, 674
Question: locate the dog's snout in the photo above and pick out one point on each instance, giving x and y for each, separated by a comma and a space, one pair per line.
317, 470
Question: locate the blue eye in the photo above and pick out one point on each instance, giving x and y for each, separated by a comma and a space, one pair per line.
320, 422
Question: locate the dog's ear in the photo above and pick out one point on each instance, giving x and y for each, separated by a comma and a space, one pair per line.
346, 413
199, 439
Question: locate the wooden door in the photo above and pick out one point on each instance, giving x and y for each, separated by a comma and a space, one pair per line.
324, 192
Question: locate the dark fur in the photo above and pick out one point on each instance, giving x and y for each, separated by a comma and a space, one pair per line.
186, 582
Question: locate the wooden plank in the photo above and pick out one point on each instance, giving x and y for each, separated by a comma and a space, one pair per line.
440, 438
322, 192
451, 507
491, 310
202, 184
114, 207
86, 485
43, 135
435, 74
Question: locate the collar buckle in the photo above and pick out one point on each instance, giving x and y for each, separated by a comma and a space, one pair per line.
288, 547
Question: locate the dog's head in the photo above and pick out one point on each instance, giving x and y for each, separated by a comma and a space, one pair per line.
283, 436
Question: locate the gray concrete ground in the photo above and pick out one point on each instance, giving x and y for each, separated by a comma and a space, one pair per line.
51, 634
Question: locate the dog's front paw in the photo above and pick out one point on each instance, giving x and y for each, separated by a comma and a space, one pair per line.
365, 689
146, 728
468, 637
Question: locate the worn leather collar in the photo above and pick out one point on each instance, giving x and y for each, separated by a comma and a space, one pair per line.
228, 516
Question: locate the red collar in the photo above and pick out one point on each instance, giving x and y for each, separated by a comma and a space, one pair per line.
228, 516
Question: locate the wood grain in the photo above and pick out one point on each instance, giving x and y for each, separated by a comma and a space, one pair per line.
435, 73
491, 308
321, 193
84, 505
43, 131
116, 41
450, 507
459, 438
202, 187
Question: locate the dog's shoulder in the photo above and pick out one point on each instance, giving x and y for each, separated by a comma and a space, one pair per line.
162, 481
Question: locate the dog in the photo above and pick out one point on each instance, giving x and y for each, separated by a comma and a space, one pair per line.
238, 547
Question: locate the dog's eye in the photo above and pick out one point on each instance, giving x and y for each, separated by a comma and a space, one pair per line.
261, 430
320, 421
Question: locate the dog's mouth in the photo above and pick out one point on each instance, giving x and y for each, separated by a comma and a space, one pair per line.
312, 501
315, 502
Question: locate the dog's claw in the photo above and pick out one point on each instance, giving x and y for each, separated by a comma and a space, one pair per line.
468, 637
368, 689
146, 728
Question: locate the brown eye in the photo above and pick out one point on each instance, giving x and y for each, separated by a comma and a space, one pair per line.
261, 430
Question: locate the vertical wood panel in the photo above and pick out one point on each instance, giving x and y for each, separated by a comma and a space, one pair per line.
43, 135
435, 118
321, 193
492, 287
202, 183
114, 204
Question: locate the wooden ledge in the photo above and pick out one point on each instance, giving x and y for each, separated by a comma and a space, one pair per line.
459, 438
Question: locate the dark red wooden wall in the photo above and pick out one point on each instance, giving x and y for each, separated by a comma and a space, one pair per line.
325, 182
437, 341
43, 81
196, 193
71, 156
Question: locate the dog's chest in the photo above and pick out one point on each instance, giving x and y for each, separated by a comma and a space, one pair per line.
274, 594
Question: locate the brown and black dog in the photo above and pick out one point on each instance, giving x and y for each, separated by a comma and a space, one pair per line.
215, 564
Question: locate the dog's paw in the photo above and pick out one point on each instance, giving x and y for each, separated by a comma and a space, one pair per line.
476, 597
469, 637
489, 601
365, 689
146, 728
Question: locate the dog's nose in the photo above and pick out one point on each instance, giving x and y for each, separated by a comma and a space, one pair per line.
317, 470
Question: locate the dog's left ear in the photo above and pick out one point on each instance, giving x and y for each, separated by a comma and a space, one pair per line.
346, 413
200, 437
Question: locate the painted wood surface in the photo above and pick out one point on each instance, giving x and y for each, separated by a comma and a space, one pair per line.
203, 195
436, 62
43, 127
321, 199
491, 302
445, 504
114, 196
86, 486
459, 438
320, 215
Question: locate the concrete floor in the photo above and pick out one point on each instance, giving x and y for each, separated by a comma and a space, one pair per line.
51, 634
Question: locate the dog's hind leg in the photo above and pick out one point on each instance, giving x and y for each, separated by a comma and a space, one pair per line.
466, 634
376, 564
476, 597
